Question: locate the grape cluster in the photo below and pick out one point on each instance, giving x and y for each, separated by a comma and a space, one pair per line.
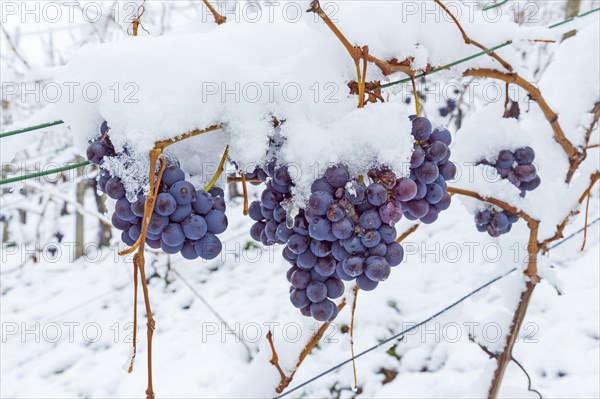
345, 233
517, 167
448, 109
184, 220
425, 195
269, 213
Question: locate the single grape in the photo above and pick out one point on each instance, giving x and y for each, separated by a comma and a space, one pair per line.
300, 279
355, 192
505, 159
339, 271
216, 222
354, 245
137, 207
319, 228
335, 288
421, 190
417, 158
322, 185
447, 170
168, 249
279, 214
154, 244
297, 244
405, 189
126, 239
256, 230
194, 227
319, 202
335, 213
283, 233
353, 265
188, 251
115, 188
157, 223
394, 254
337, 176
322, 311
388, 233
320, 248
365, 283
180, 213
370, 238
441, 135
377, 194
216, 192
532, 184
173, 235
417, 208
317, 277
338, 251
377, 268
103, 178
306, 260
203, 203
434, 193
270, 198
342, 229
183, 192
431, 216
299, 298
123, 210
524, 156
370, 220
95, 152
209, 246
499, 222
165, 204
421, 128
270, 231
437, 151
427, 172
390, 213
119, 223
172, 174
135, 231
316, 291
525, 173
325, 266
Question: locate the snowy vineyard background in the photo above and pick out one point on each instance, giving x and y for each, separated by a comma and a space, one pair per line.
422, 172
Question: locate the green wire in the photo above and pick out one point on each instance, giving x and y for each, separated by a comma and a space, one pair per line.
573, 18
490, 6
30, 128
45, 173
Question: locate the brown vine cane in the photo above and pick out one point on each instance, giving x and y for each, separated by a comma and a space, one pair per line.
139, 245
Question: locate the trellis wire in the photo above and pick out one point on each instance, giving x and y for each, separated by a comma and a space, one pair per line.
447, 308
494, 5
45, 173
30, 128
396, 336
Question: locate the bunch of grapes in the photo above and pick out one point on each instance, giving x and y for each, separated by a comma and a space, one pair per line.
269, 213
516, 166
184, 220
430, 168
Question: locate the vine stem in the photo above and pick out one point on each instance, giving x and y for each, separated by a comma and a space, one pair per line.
355, 292
219, 170
219, 19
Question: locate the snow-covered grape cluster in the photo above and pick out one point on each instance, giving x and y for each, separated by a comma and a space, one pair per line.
430, 168
448, 109
517, 167
184, 219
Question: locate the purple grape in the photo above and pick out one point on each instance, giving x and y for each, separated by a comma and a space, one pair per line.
377, 194
319, 228
499, 222
188, 251
253, 210
335, 288
183, 192
319, 202
370, 238
173, 235
388, 233
204, 202
279, 214
126, 239
104, 127
505, 159
405, 189
437, 151
271, 230
256, 230
335, 213
525, 173
390, 213
444, 202
365, 283
431, 216
306, 260
138, 207
427, 172
123, 210
532, 184
447, 170
316, 291
377, 268
120, 223
441, 135
421, 128
282, 177
115, 188
320, 248
209, 246
356, 193
394, 254
172, 174
323, 310
434, 194
135, 231
524, 156
155, 244
343, 228
300, 279
337, 176
157, 223
171, 250
297, 244
339, 270
283, 233
325, 266
165, 204
417, 158
338, 251
417, 208
180, 213
353, 265
299, 298
95, 152
322, 185
216, 222
370, 220
194, 227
